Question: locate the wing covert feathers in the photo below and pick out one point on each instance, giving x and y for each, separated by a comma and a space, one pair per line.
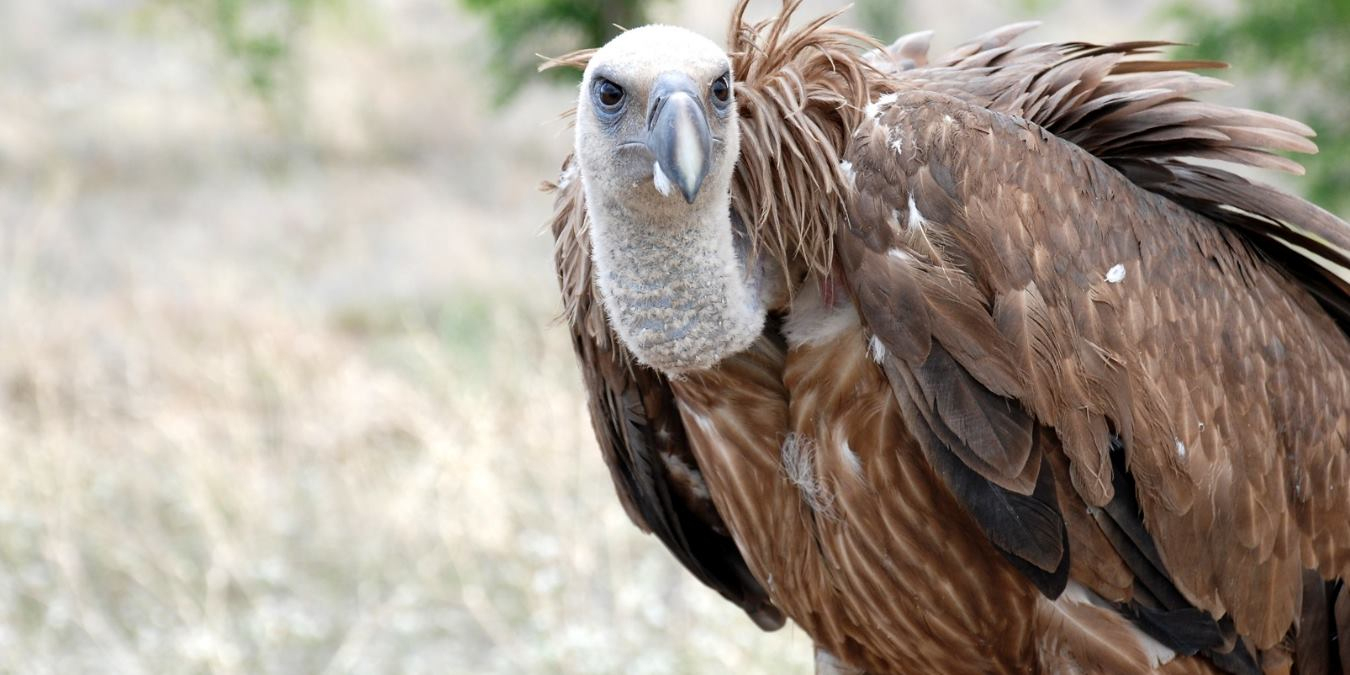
1135, 111
1101, 311
978, 439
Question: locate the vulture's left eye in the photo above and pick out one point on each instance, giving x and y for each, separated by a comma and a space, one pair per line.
609, 95
721, 89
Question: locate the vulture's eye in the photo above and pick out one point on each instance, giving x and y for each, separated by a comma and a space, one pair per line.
609, 95
721, 89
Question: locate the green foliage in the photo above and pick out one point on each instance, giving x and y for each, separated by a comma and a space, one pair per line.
1034, 7
882, 19
259, 49
1296, 53
257, 37
520, 29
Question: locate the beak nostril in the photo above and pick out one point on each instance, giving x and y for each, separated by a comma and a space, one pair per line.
654, 110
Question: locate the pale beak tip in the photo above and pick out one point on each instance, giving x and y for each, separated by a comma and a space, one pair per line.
678, 134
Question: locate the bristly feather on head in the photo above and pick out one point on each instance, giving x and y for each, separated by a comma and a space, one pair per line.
802, 91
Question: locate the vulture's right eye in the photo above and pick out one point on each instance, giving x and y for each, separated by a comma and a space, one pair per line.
609, 95
721, 89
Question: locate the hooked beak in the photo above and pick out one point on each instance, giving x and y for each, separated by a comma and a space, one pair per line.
678, 134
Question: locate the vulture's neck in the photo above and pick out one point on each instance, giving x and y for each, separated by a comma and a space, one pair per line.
673, 278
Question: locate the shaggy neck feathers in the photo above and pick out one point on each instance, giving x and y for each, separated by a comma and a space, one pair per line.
805, 88
671, 280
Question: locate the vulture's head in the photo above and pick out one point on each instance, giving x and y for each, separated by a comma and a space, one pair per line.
657, 119
657, 142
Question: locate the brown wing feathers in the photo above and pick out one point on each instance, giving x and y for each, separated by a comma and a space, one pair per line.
978, 438
1135, 113
1012, 236
1156, 604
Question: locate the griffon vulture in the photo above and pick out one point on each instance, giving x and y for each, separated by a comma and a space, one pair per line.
973, 364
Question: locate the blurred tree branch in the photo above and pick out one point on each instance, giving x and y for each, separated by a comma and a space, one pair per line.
1297, 55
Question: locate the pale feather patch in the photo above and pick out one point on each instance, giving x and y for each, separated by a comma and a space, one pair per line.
798, 458
915, 218
1076, 593
900, 254
1116, 274
916, 222
687, 474
851, 458
897, 139
810, 322
1159, 654
874, 108
876, 350
568, 175
659, 179
846, 168
1181, 448
829, 664
704, 424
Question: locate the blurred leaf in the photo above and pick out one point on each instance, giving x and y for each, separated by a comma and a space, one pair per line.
520, 29
1031, 7
258, 37
882, 19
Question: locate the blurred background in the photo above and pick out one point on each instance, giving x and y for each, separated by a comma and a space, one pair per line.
281, 389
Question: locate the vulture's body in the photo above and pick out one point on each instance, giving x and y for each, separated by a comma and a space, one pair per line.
962, 366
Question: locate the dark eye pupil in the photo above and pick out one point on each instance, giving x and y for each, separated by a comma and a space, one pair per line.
610, 94
720, 89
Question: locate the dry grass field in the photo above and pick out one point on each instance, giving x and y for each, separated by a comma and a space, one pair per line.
280, 390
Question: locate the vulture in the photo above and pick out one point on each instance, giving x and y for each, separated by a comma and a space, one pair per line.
980, 363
